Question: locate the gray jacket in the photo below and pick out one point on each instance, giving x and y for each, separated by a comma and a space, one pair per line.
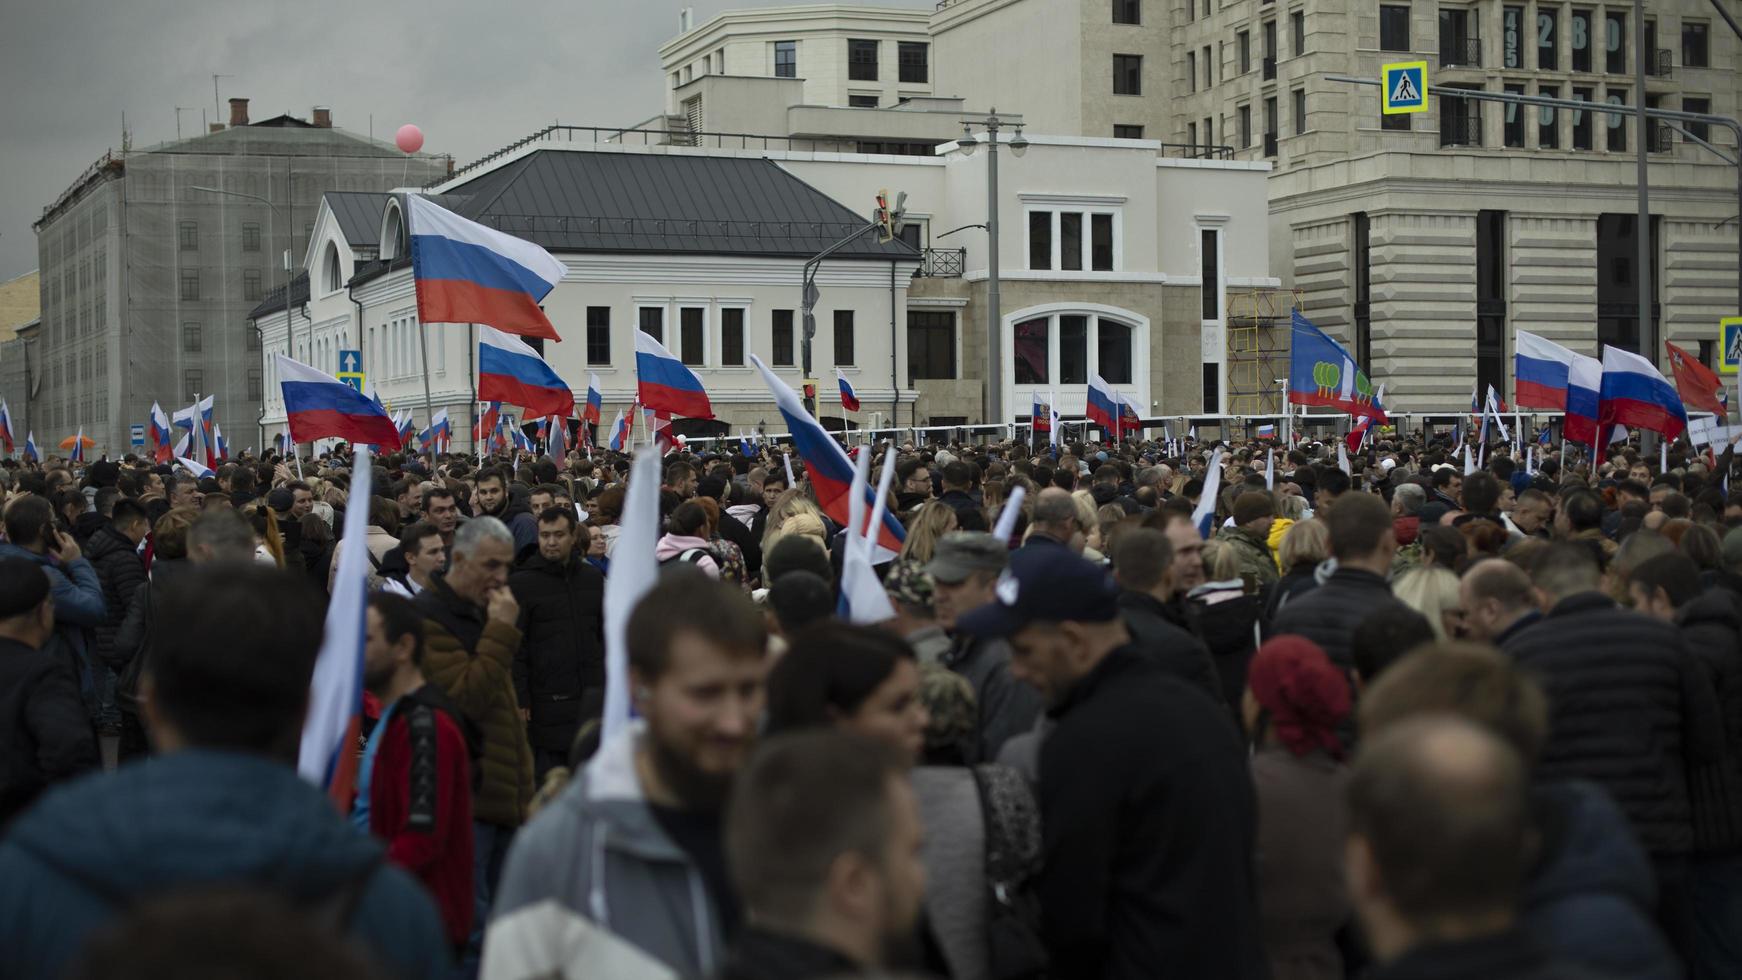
1008, 707
598, 851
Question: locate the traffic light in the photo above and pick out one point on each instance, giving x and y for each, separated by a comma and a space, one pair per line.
885, 220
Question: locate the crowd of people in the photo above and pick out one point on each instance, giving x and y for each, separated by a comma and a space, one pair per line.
1397, 718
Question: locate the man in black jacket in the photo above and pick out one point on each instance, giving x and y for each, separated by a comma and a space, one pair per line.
559, 670
114, 552
1363, 543
47, 736
1622, 692
958, 480
1143, 567
1147, 809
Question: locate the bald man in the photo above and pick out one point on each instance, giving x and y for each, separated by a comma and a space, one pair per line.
1497, 601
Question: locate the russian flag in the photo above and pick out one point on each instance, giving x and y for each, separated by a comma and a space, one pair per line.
221, 446
30, 452
467, 273
407, 429
6, 426
1103, 405
619, 433
198, 469
557, 442
1040, 415
1129, 420
595, 401
1540, 371
1635, 394
512, 372
319, 406
438, 433
1267, 430
665, 384
849, 397
487, 423
78, 455
830, 472
1204, 515
327, 756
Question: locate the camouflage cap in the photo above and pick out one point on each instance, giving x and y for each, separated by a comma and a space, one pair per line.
908, 583
949, 700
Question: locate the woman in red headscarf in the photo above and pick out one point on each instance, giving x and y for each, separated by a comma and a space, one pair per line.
1295, 700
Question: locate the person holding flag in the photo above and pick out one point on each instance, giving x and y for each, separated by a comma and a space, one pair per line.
6, 427
30, 452
849, 399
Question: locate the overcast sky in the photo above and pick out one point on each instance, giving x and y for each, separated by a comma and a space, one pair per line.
474, 76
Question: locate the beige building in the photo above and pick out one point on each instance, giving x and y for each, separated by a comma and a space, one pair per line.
20, 303
1423, 242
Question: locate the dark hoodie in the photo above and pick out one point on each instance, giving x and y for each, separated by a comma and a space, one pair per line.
100, 845
1590, 897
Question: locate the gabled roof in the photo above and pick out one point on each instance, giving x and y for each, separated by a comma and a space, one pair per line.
359, 216
580, 201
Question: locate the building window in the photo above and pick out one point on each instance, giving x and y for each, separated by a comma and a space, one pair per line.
1512, 37
1271, 130
653, 322
1615, 42
1192, 134
253, 384
1297, 28
1460, 121
1300, 112
1548, 123
1244, 113
1127, 74
1696, 48
1702, 106
1071, 241
1269, 49
1580, 41
786, 59
913, 57
1616, 123
844, 338
732, 337
192, 380
781, 349
1113, 351
188, 236
1127, 132
1033, 354
931, 345
1209, 133
190, 284
861, 101
598, 335
190, 338
1073, 350
1210, 247
1582, 121
1192, 71
861, 60
1127, 12
1458, 43
251, 285
693, 338
1085, 344
1393, 28
1361, 257
1243, 49
1209, 67
1618, 312
1212, 388
1101, 242
1514, 116
250, 237
1040, 239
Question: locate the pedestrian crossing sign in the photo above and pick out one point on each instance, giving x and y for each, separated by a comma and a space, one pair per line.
1403, 87
1730, 344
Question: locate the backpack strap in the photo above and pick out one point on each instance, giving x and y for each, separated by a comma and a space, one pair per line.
425, 770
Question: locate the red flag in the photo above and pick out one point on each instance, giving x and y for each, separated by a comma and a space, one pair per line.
1698, 386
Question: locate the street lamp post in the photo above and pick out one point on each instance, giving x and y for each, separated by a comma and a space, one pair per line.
992, 123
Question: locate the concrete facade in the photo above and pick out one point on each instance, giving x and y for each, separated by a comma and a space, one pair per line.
20, 303
147, 280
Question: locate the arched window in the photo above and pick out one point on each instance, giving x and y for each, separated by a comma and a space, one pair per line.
332, 275
394, 241
1064, 348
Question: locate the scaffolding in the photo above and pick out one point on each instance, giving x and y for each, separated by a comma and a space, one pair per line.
1258, 323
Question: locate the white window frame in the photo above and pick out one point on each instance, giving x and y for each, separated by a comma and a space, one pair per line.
717, 348
1087, 207
1073, 397
709, 356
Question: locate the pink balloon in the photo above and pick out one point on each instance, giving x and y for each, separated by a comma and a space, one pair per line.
409, 139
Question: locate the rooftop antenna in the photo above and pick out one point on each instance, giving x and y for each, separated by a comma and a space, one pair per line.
181, 109
126, 137
217, 112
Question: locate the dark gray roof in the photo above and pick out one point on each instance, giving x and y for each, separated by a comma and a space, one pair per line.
570, 201
359, 216
274, 299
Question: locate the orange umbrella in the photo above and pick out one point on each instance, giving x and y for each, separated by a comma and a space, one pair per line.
67, 443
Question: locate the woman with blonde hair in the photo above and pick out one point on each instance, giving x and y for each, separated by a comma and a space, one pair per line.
1289, 512
1306, 546
791, 503
1432, 590
927, 527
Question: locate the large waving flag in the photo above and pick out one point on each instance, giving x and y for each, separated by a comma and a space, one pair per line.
328, 754
30, 451
5, 427
665, 384
595, 401
1322, 373
849, 397
1103, 404
1541, 371
439, 433
467, 273
619, 434
863, 600
1636, 395
1699, 388
158, 430
510, 371
320, 406
634, 571
830, 472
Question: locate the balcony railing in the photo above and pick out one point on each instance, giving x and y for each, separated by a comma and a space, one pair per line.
1456, 130
1461, 52
942, 263
1662, 139
1662, 65
1270, 68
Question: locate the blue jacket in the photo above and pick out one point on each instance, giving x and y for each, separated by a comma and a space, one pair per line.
95, 847
1591, 896
79, 607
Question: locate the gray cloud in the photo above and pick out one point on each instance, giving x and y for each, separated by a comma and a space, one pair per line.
474, 76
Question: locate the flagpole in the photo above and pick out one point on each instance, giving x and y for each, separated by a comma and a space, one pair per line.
428, 411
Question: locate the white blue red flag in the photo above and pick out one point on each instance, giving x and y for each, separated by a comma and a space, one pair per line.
595, 401
328, 753
30, 452
1103, 405
665, 384
1205, 514
5, 427
78, 455
319, 406
619, 433
468, 273
1636, 395
849, 397
158, 430
511, 371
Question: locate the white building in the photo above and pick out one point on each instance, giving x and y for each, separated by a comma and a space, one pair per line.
1106, 247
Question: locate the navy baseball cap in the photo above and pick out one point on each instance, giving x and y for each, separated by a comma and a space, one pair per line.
1042, 584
